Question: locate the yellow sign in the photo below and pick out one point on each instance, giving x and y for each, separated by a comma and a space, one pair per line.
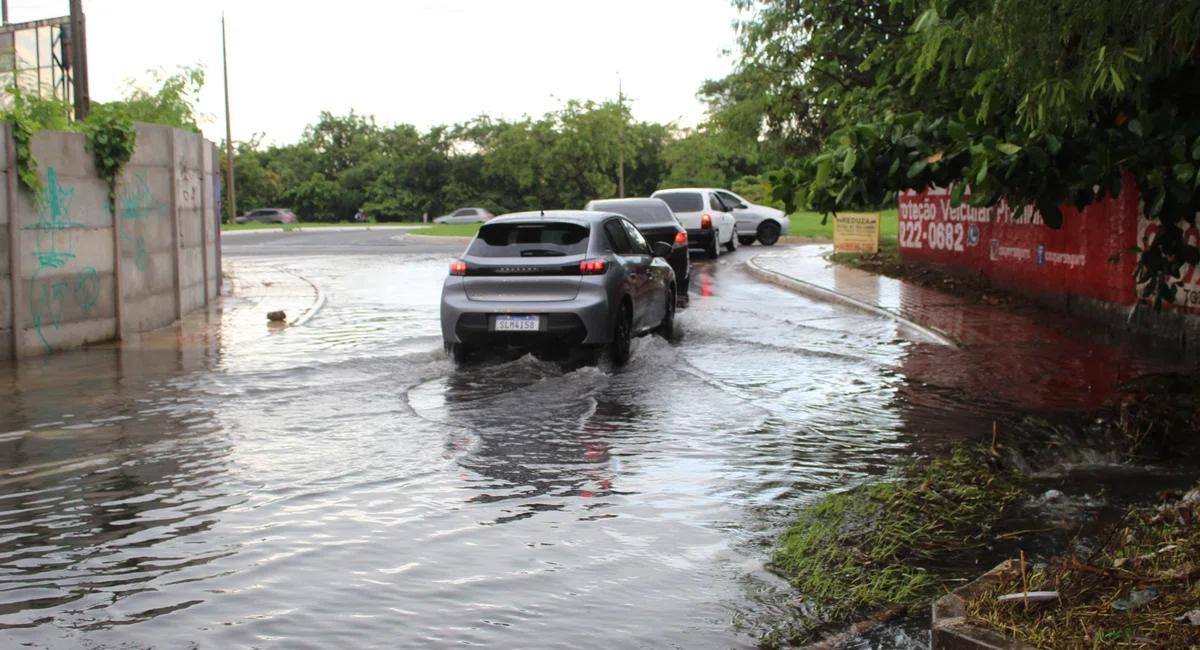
856, 232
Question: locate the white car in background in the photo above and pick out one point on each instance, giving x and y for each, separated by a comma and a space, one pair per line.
465, 215
755, 222
709, 223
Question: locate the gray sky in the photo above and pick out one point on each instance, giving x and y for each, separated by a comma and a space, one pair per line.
420, 62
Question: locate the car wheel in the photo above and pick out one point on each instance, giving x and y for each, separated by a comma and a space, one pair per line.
732, 244
666, 328
768, 233
616, 351
459, 353
713, 249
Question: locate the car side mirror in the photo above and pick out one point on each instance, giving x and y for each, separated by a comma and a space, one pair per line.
661, 249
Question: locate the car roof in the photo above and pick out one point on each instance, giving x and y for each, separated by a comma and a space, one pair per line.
576, 216
690, 189
637, 200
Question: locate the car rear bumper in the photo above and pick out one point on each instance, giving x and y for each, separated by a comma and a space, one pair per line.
584, 320
701, 238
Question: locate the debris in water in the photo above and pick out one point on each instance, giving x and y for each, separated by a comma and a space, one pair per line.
1033, 596
276, 315
1135, 599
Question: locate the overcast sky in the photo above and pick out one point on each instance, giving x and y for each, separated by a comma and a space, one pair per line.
421, 62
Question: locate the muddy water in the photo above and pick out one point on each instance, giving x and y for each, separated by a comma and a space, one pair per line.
340, 485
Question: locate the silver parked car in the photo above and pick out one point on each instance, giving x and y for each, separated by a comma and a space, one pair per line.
268, 215
567, 277
465, 215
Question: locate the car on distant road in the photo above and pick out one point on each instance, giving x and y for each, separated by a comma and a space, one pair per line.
560, 278
656, 222
465, 215
709, 223
268, 215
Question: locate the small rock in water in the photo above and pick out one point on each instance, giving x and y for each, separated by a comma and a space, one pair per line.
1192, 617
1053, 496
1135, 599
276, 315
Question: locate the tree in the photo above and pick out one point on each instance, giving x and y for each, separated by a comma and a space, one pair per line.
1037, 103
172, 103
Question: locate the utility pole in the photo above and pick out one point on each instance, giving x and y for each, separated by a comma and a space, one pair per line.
228, 128
4, 8
621, 141
79, 61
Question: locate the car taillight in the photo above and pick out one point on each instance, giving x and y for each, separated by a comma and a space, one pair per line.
706, 222
680, 238
593, 267
458, 267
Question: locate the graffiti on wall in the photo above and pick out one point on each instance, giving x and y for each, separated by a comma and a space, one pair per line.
138, 203
55, 249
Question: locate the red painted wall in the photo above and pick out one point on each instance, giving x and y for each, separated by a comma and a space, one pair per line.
1074, 260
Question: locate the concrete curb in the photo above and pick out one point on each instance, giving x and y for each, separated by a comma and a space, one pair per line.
449, 239
821, 293
316, 306
258, 231
949, 630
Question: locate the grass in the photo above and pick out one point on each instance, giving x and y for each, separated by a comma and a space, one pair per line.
449, 230
1149, 549
889, 249
808, 224
880, 544
225, 227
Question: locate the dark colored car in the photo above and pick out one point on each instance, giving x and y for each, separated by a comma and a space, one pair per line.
657, 223
559, 278
269, 215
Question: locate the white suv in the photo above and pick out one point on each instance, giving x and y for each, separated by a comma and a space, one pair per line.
710, 224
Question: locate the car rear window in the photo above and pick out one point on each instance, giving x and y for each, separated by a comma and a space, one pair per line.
683, 201
640, 214
530, 240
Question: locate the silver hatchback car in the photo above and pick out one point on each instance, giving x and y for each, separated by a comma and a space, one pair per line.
558, 278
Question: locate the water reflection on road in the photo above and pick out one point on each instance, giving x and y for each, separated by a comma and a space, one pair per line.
340, 485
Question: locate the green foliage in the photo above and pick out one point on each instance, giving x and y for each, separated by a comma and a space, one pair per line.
28, 114
112, 138
881, 543
561, 160
169, 99
1035, 103
110, 128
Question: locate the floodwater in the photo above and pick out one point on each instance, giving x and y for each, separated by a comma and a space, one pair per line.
340, 485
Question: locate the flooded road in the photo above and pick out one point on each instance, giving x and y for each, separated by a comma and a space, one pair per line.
221, 485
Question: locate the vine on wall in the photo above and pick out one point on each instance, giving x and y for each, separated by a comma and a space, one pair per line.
110, 130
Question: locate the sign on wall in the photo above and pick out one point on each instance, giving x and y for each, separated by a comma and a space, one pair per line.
1077, 259
855, 232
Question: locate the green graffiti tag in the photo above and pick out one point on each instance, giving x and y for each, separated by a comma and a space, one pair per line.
87, 288
54, 224
137, 202
55, 248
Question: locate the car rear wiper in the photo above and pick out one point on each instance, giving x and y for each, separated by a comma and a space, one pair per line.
542, 252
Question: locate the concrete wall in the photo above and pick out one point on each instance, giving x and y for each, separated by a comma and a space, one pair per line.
83, 274
1071, 268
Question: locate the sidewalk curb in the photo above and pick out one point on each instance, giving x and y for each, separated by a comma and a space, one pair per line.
314, 308
256, 231
300, 321
450, 239
821, 293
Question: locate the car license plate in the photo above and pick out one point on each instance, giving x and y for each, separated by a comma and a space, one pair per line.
516, 323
